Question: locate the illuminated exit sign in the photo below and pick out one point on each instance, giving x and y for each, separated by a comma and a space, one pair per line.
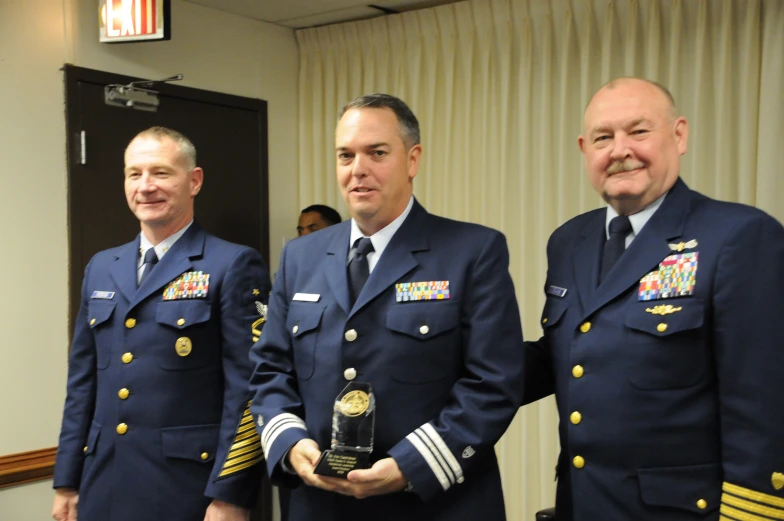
133, 20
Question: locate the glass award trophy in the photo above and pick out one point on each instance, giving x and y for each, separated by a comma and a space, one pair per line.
353, 419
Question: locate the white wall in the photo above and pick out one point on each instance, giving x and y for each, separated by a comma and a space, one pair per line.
215, 51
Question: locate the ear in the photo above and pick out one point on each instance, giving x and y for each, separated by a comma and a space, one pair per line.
681, 131
197, 178
414, 155
581, 143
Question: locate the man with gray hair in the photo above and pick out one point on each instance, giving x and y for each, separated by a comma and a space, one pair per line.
399, 313
156, 424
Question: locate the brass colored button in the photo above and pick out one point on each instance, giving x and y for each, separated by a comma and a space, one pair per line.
661, 328
127, 357
122, 428
130, 323
294, 330
85, 449
123, 393
350, 373
578, 462
92, 321
183, 346
544, 320
424, 330
181, 322
585, 327
575, 417
350, 335
204, 455
577, 371
702, 504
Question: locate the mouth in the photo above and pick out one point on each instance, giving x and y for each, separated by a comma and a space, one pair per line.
361, 190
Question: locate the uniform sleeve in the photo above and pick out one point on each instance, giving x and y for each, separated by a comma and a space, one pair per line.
236, 476
445, 451
277, 406
748, 308
80, 399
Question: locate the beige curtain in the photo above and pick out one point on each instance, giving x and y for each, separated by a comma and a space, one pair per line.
499, 87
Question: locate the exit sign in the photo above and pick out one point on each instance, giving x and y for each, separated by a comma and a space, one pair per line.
133, 20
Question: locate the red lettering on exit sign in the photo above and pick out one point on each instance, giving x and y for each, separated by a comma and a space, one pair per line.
133, 20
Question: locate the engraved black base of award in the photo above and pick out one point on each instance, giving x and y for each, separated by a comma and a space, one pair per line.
353, 420
339, 462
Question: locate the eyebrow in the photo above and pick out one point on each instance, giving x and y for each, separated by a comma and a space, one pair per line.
372, 145
604, 127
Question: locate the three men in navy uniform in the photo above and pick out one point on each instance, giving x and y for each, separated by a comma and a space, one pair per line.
156, 423
662, 336
435, 329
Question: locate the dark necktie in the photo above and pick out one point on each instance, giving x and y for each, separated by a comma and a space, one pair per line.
358, 269
150, 260
620, 227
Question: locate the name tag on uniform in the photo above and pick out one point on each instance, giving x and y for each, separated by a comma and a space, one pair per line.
306, 297
556, 291
105, 295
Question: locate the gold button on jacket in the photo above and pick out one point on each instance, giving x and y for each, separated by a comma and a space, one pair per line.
122, 428
130, 323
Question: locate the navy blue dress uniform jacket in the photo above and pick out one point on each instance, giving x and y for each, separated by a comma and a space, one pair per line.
671, 408
445, 373
156, 423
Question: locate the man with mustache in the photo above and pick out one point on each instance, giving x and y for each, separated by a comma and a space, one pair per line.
433, 327
156, 424
662, 338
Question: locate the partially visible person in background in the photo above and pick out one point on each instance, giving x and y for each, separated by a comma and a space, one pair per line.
316, 217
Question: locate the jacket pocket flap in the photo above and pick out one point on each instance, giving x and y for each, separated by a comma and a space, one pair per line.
99, 311
303, 318
423, 320
183, 313
553, 311
664, 320
695, 488
191, 442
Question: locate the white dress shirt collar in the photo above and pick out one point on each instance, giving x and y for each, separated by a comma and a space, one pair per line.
162, 247
380, 239
638, 219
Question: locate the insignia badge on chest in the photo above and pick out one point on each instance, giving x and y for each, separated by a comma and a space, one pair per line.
193, 284
429, 290
675, 277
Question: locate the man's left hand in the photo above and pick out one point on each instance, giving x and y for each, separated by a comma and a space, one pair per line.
384, 477
222, 511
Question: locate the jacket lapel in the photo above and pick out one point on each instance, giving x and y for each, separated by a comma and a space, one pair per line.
124, 269
335, 266
648, 249
587, 257
176, 261
397, 259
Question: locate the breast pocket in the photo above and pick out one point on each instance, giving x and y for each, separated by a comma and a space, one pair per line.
98, 314
194, 343
426, 342
303, 323
667, 345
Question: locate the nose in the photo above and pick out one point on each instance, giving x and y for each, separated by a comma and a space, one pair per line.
359, 167
147, 183
620, 147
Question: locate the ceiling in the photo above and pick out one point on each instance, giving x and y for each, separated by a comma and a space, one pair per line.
298, 14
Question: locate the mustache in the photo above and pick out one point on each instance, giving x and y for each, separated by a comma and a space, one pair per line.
624, 166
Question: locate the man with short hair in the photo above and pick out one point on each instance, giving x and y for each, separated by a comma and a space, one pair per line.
316, 217
156, 424
420, 307
661, 333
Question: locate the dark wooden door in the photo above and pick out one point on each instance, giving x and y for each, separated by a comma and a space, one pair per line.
230, 135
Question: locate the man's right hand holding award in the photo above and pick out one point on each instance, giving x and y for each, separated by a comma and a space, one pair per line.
393, 340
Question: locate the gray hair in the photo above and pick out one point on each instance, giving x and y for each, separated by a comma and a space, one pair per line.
187, 150
409, 126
